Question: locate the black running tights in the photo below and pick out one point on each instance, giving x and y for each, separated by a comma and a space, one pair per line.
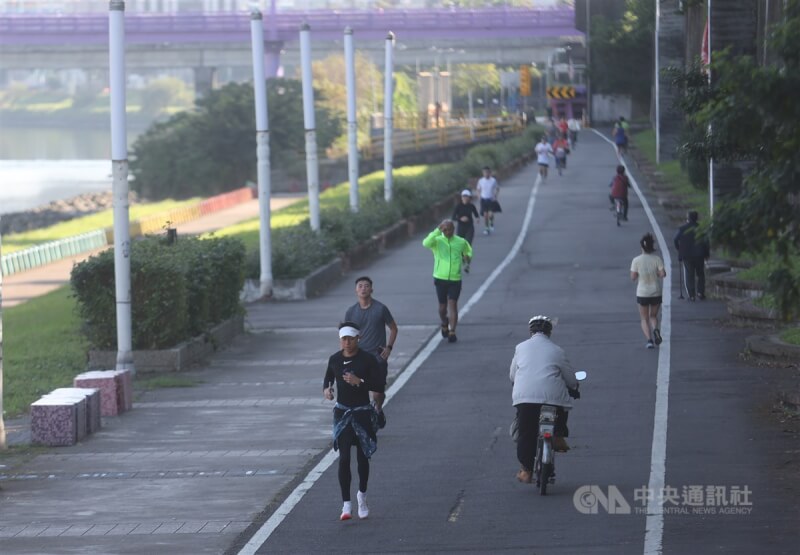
346, 440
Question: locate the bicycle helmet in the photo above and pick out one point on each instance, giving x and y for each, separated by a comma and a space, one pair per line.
540, 324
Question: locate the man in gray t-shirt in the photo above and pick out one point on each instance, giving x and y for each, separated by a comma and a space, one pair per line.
373, 317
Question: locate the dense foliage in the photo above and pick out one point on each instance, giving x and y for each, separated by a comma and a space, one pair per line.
178, 291
753, 116
622, 53
213, 148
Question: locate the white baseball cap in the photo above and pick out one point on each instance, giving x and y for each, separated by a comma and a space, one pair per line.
466, 193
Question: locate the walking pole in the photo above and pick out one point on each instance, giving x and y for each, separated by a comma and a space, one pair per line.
680, 272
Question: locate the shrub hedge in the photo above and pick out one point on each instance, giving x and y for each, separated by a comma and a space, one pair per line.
179, 291
297, 251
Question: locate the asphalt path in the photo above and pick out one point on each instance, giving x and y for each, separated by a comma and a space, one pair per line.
443, 477
442, 480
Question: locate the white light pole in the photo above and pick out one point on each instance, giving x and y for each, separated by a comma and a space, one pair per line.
119, 172
352, 124
388, 91
2, 422
262, 153
711, 158
657, 88
312, 165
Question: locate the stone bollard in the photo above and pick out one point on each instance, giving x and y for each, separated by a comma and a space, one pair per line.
116, 389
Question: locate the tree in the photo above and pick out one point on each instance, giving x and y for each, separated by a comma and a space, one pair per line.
163, 93
213, 148
474, 77
754, 116
622, 52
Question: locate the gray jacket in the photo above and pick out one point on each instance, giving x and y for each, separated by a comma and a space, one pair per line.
541, 373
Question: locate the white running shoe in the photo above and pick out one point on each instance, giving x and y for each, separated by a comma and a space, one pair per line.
363, 510
346, 511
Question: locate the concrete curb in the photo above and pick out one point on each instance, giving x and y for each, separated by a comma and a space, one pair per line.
180, 357
746, 309
728, 286
771, 346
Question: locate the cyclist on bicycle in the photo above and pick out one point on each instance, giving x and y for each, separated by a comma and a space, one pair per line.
619, 191
541, 375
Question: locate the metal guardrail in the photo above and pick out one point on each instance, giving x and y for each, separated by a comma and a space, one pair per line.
52, 251
415, 140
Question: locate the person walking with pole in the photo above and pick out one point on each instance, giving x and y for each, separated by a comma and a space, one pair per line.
693, 251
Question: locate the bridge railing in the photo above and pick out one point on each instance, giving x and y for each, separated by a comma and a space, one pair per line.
44, 29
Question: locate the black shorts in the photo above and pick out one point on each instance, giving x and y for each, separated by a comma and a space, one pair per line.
649, 301
487, 205
446, 289
379, 382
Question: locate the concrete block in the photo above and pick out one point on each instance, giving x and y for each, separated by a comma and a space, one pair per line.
54, 421
92, 397
115, 386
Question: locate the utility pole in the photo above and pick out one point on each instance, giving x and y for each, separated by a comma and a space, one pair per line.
657, 91
2, 422
119, 171
352, 123
312, 164
262, 153
388, 92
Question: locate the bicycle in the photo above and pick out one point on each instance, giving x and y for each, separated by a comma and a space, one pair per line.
544, 465
619, 210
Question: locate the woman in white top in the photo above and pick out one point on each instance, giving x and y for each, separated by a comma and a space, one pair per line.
543, 153
648, 270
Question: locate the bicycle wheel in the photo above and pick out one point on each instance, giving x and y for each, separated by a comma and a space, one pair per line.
544, 477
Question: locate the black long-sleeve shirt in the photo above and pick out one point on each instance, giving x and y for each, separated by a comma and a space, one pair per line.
462, 210
363, 365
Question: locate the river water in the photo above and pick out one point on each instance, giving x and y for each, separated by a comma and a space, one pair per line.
38, 166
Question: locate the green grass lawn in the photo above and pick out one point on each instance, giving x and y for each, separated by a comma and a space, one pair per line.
792, 335
18, 241
42, 349
696, 198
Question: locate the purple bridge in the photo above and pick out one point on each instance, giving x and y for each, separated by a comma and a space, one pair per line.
190, 28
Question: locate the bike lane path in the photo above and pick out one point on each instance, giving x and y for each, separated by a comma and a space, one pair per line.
443, 477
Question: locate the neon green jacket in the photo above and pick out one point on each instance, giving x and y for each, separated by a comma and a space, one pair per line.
447, 254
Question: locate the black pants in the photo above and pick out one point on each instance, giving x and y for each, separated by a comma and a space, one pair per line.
466, 231
694, 267
346, 440
528, 418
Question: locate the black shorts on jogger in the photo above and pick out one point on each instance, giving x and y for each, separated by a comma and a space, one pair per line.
447, 289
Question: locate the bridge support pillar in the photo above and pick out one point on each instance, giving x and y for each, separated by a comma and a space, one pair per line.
204, 80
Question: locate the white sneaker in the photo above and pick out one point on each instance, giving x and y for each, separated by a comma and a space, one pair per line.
363, 510
346, 511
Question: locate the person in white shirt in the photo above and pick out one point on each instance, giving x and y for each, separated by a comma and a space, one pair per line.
573, 126
648, 271
543, 153
488, 189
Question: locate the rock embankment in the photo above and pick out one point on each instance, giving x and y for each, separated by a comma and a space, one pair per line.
58, 211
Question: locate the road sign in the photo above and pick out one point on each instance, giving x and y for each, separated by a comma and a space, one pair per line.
561, 92
524, 80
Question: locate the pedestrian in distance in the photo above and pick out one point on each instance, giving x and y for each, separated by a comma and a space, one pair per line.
561, 150
543, 153
648, 271
540, 374
619, 190
354, 418
465, 214
488, 189
620, 136
449, 251
574, 126
693, 251
373, 318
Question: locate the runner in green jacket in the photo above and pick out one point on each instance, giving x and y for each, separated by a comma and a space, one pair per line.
449, 252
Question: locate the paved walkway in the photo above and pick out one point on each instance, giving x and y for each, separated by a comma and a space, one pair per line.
24, 286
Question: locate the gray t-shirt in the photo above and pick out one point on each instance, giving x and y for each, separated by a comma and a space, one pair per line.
372, 321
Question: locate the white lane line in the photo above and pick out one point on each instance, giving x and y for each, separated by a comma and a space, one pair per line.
654, 525
266, 530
